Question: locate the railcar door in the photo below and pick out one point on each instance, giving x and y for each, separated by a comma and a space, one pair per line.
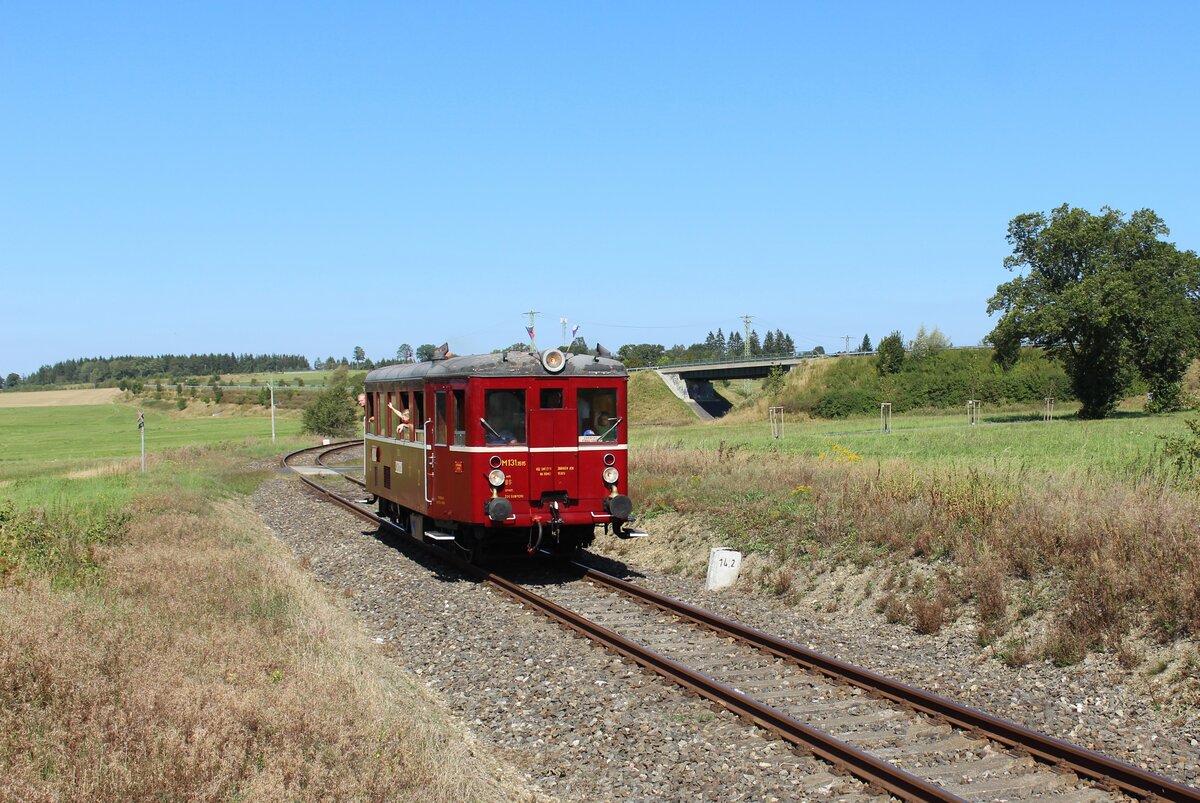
553, 443
440, 461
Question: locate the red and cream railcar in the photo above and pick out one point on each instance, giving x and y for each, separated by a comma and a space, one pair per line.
501, 449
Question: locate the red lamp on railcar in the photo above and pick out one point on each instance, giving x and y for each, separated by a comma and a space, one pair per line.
511, 448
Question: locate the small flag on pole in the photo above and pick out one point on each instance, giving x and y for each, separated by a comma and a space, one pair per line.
141, 420
574, 330
529, 329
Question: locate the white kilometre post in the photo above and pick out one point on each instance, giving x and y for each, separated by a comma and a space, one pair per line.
724, 565
272, 387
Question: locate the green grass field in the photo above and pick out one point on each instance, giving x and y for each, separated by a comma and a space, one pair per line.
71, 458
46, 440
1125, 445
51, 440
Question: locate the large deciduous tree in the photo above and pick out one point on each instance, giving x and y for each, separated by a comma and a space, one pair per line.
1107, 296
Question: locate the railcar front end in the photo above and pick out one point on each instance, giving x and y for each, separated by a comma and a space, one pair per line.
503, 451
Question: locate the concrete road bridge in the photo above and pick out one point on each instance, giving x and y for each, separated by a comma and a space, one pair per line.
692, 382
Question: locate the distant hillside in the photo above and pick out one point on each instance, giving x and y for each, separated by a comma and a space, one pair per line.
844, 386
651, 402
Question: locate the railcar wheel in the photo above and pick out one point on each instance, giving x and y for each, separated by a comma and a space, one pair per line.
400, 521
389, 511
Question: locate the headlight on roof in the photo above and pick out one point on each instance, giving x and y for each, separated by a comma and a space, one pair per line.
554, 360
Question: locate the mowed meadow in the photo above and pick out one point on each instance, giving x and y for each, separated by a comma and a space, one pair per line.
99, 431
156, 642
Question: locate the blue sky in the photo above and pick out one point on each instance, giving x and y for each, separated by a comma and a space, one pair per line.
206, 177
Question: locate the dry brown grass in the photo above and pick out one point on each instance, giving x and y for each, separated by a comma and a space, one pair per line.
1122, 556
207, 666
928, 614
111, 468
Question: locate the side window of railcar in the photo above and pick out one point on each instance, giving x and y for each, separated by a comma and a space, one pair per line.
460, 418
597, 409
418, 408
439, 417
504, 420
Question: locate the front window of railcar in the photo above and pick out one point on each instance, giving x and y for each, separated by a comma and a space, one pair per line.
505, 416
597, 409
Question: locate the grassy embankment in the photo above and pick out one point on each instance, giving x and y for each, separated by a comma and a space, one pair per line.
1059, 538
157, 643
651, 402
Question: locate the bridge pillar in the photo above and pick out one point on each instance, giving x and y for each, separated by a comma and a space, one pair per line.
676, 384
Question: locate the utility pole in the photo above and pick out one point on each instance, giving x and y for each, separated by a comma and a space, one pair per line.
532, 343
271, 385
563, 321
847, 351
746, 343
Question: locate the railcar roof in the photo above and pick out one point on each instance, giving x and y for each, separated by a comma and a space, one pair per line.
502, 364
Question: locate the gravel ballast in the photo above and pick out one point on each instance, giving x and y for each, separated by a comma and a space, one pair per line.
1096, 704
577, 721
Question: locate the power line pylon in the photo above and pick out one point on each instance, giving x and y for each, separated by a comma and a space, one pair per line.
532, 343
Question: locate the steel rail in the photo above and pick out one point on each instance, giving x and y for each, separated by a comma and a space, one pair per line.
864, 766
1128, 778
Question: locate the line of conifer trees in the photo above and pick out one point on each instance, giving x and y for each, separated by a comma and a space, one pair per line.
105, 370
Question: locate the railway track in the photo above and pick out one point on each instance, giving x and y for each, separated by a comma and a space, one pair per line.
912, 744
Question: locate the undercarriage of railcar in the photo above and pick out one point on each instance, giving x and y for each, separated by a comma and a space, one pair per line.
478, 542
